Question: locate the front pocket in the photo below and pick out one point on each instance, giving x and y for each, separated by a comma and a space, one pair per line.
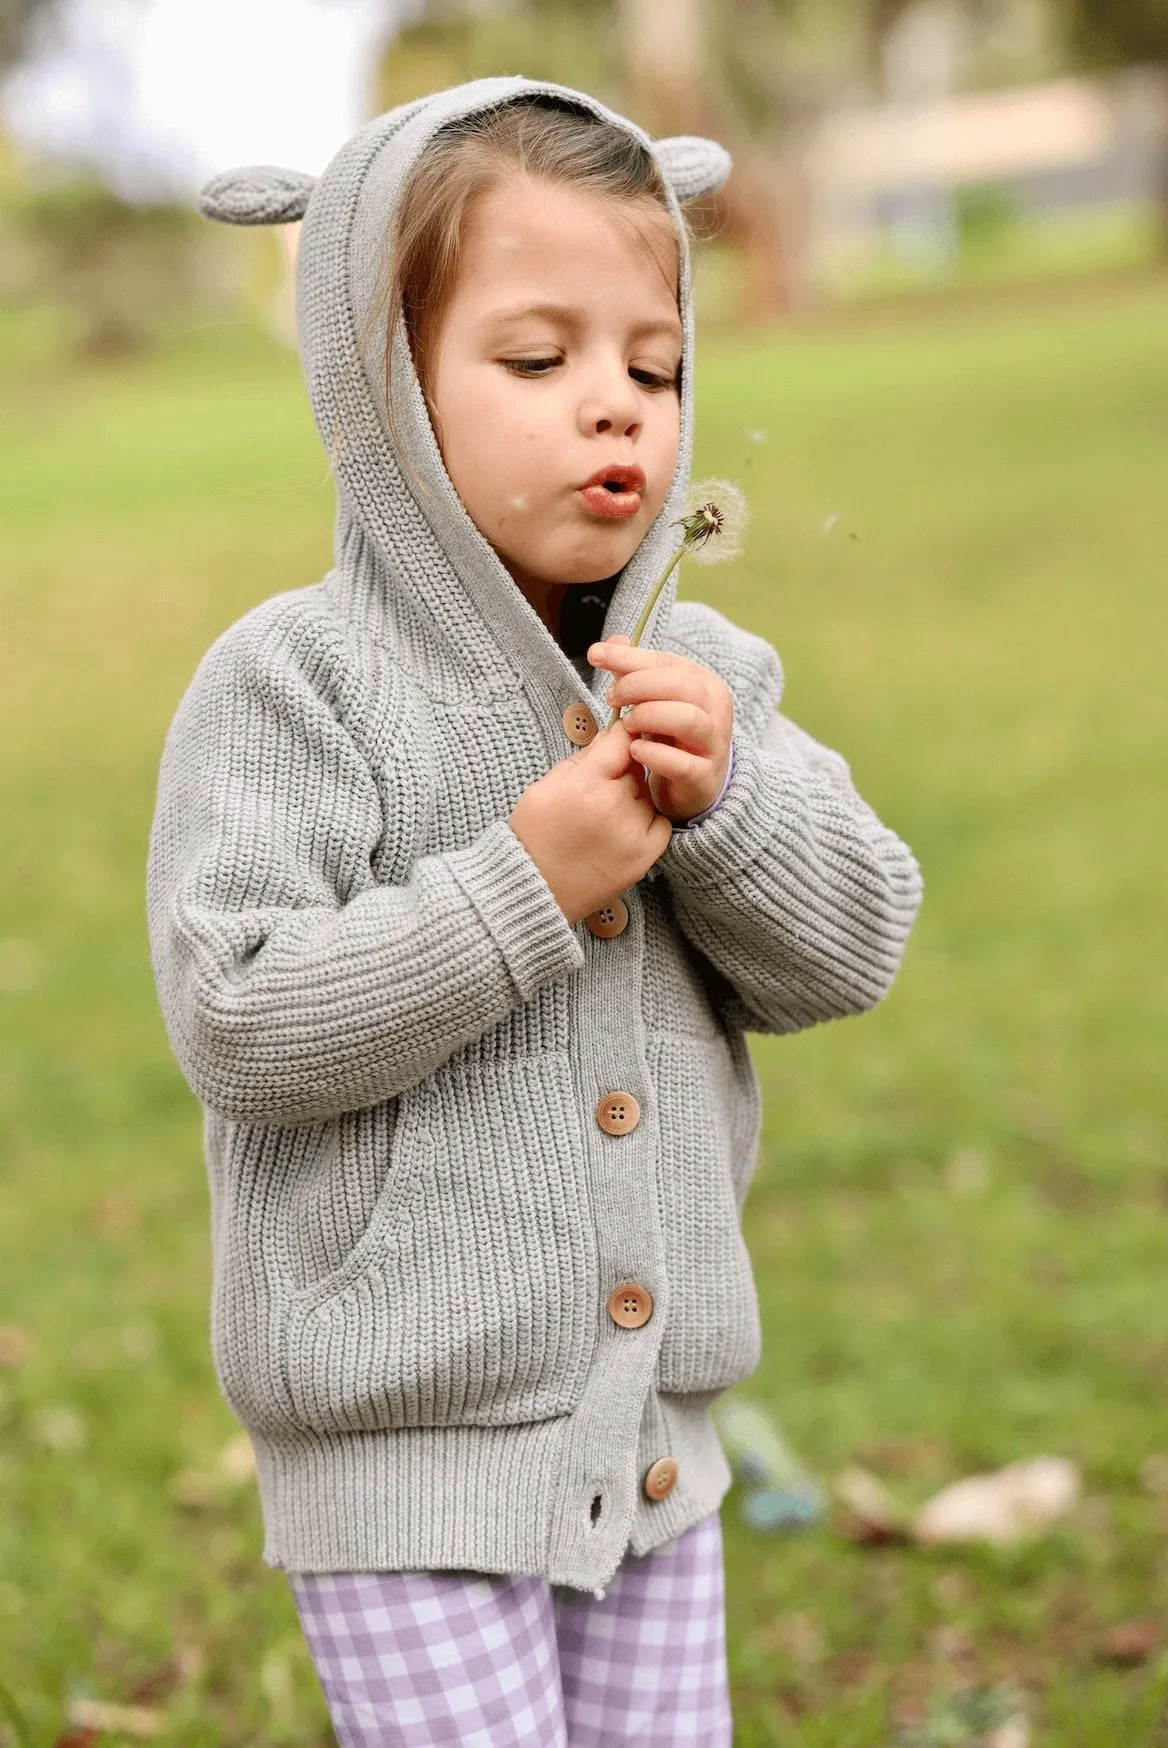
713, 1337
471, 1298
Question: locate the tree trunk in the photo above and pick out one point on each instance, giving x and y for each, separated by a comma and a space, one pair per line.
759, 210
1161, 184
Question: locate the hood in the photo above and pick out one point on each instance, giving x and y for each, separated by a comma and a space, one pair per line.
413, 555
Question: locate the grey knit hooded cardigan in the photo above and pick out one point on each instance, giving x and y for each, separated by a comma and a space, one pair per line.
403, 1049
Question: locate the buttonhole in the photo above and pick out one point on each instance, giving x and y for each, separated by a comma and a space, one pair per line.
595, 1513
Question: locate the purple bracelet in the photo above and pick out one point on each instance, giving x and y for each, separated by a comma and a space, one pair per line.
686, 825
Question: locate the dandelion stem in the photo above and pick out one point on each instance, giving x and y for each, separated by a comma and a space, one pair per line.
649, 606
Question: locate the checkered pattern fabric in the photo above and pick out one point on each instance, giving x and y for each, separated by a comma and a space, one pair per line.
411, 1659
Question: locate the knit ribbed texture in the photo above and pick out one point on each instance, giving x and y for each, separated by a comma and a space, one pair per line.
401, 1044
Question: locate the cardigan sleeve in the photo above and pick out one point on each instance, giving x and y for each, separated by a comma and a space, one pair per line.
793, 890
295, 986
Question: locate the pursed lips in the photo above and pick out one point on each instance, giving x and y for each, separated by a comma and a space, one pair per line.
614, 492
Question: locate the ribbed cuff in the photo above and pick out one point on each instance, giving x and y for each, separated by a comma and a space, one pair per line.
518, 907
740, 831
686, 825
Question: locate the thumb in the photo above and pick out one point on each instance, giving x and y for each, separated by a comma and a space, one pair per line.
609, 750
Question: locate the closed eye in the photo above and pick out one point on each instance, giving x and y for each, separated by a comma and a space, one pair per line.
541, 366
648, 379
529, 366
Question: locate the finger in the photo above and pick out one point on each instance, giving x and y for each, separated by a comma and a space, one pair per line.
661, 829
623, 657
609, 749
687, 724
665, 760
646, 683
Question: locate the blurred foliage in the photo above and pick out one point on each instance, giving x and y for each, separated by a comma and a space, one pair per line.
120, 272
574, 43
17, 18
1118, 32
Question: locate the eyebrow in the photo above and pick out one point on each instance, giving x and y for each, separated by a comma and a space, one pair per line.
570, 318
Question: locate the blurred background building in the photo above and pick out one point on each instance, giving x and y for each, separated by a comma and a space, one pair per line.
878, 144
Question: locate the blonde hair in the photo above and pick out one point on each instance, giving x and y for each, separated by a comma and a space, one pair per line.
543, 137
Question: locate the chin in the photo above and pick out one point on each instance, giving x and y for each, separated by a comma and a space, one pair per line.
597, 567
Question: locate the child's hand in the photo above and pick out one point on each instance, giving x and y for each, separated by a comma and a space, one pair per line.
589, 824
680, 724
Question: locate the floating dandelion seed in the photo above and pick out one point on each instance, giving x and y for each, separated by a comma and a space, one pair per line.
518, 503
712, 525
757, 436
828, 523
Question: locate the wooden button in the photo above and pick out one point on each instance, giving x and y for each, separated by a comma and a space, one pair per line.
611, 919
618, 1112
661, 1479
579, 724
630, 1306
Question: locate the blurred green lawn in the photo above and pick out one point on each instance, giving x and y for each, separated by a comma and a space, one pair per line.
959, 1223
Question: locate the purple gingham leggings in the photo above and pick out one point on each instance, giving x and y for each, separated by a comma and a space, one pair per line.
410, 1659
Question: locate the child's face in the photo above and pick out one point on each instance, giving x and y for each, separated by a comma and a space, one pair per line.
558, 355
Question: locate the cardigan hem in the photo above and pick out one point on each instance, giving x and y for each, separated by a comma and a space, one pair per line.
428, 1498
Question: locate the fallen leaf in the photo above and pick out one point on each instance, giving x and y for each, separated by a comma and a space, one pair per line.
1154, 1472
116, 1214
1131, 1642
237, 1459
21, 966
140, 1340
1002, 1506
58, 1427
967, 1172
800, 1636
193, 1489
15, 1346
142, 1722
867, 1534
951, 1644
851, 1668
191, 1661
159, 1683
872, 1516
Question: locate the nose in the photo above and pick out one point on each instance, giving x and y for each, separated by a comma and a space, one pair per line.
610, 404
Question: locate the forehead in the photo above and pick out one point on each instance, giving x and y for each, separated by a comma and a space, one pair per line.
539, 242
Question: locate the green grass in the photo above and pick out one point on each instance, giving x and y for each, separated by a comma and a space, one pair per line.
1014, 250
959, 1223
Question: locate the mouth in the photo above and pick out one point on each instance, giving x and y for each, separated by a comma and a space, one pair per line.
614, 492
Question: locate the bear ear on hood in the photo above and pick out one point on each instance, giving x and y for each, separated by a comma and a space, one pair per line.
260, 194
692, 166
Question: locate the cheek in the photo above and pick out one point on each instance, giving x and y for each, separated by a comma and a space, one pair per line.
666, 444
492, 450
493, 440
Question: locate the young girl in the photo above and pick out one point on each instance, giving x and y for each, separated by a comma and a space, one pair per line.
462, 979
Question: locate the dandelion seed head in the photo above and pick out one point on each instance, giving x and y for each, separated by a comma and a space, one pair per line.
714, 521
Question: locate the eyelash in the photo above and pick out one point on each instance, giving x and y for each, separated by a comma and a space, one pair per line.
524, 367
